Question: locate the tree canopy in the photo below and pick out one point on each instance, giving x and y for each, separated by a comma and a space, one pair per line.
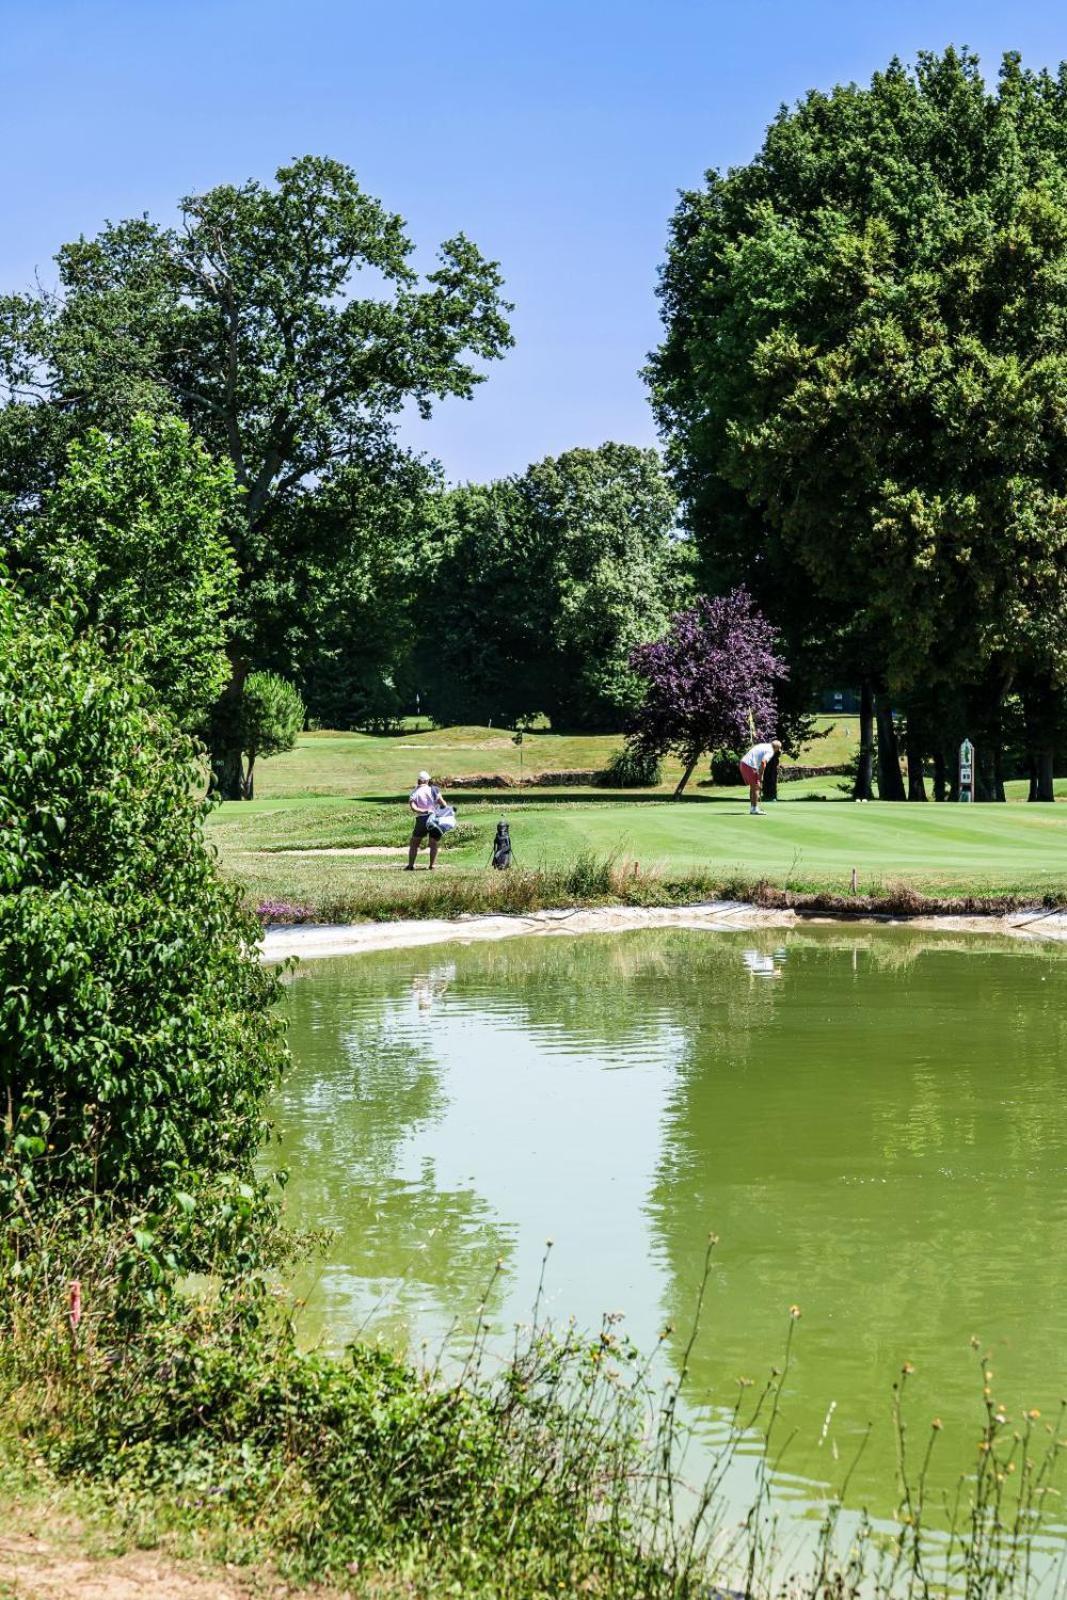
709, 682
544, 583
133, 535
863, 375
286, 325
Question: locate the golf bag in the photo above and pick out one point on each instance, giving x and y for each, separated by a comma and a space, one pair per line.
502, 854
442, 820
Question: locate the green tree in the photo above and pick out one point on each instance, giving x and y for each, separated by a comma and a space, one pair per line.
351, 559
605, 522
133, 534
862, 381
545, 583
246, 319
137, 1035
271, 716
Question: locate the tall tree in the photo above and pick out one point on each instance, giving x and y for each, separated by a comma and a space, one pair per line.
863, 377
248, 321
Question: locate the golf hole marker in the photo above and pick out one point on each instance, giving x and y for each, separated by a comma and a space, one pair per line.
967, 770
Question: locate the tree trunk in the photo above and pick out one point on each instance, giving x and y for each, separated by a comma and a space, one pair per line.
1041, 781
890, 780
864, 785
1043, 719
916, 777
686, 775
226, 765
770, 777
989, 774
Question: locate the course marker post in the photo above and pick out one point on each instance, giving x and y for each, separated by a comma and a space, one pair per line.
967, 770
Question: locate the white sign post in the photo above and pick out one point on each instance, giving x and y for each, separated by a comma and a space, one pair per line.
967, 770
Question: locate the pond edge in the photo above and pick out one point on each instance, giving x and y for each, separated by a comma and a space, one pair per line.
308, 941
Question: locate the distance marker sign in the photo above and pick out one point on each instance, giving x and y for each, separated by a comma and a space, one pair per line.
967, 770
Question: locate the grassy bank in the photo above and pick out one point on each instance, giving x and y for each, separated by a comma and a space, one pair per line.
329, 829
191, 1423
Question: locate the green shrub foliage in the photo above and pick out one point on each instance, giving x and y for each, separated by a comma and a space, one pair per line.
270, 717
630, 768
136, 1029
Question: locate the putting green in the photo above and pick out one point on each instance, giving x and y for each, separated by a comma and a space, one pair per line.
803, 841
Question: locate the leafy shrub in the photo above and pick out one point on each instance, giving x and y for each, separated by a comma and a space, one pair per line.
726, 769
136, 1033
630, 768
271, 715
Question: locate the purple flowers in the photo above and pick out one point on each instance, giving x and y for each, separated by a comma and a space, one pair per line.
283, 911
710, 681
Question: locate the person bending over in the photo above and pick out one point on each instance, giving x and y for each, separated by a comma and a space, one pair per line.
425, 798
753, 766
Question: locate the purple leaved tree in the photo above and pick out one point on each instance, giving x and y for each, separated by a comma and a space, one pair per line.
710, 681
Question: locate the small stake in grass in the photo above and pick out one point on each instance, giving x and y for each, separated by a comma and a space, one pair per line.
853, 880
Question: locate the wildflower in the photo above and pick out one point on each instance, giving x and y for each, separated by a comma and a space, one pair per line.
937, 1424
907, 1369
794, 1312
975, 1341
1033, 1415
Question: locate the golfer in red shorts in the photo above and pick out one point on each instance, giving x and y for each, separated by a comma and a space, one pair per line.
752, 767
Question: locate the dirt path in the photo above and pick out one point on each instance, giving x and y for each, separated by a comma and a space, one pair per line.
40, 1569
56, 1566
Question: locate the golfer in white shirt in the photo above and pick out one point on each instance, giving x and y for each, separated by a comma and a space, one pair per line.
752, 769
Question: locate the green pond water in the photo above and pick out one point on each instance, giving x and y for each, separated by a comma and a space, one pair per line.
873, 1123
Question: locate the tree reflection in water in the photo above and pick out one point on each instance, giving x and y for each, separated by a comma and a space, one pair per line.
871, 1121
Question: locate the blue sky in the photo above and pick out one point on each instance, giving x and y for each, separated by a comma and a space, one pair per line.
555, 134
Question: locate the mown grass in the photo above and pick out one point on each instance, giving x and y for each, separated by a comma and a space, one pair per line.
679, 852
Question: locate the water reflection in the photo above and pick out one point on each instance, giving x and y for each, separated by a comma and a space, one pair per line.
871, 1123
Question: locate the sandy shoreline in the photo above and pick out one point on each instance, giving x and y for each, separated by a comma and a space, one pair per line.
717, 916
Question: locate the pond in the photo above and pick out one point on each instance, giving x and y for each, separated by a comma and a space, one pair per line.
872, 1122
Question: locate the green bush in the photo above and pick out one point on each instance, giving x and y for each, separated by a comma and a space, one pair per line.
726, 769
270, 717
136, 1030
631, 769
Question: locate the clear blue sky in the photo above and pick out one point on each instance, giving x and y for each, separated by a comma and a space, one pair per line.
554, 132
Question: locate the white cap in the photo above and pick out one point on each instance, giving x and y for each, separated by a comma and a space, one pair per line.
424, 777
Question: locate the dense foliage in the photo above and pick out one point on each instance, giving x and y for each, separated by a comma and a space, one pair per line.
136, 1035
133, 536
544, 583
247, 320
709, 683
862, 386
